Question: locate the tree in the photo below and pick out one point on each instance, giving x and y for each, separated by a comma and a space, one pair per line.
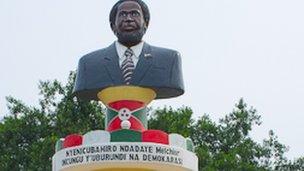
28, 135
227, 145
297, 164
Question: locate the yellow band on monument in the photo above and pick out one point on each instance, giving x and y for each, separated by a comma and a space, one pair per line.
113, 94
119, 169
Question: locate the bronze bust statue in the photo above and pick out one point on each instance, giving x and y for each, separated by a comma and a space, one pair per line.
144, 66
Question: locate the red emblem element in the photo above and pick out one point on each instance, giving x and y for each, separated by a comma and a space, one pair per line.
130, 104
72, 140
155, 136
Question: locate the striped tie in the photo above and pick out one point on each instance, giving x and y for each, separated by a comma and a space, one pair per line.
127, 66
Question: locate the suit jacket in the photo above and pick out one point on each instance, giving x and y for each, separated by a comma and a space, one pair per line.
157, 68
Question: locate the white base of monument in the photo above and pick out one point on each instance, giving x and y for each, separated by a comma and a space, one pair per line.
125, 157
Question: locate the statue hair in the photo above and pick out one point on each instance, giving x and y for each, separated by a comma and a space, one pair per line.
142, 4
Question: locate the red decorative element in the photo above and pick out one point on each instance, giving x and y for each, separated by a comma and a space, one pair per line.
155, 136
114, 125
130, 104
72, 140
136, 125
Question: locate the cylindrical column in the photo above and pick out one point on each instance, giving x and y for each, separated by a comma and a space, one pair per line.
126, 116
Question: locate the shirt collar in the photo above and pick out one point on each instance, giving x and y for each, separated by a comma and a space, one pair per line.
137, 49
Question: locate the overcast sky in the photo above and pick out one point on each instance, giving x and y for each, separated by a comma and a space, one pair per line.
230, 49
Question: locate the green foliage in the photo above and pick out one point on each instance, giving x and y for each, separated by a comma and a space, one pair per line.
226, 145
28, 135
172, 121
298, 164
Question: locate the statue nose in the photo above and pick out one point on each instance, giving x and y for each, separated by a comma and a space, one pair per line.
129, 18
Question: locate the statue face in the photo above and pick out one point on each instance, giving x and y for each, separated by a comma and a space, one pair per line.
129, 24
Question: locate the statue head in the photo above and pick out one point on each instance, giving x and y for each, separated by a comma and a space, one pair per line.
129, 20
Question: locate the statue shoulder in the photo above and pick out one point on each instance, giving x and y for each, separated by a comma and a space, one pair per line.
162, 49
164, 52
94, 55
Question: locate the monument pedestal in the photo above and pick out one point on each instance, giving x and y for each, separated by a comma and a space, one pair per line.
126, 144
125, 157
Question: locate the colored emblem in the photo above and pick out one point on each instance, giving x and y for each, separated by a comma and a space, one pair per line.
126, 114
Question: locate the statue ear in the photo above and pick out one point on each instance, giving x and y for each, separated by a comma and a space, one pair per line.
145, 26
113, 27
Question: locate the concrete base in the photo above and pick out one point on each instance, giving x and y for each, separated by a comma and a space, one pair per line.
125, 156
